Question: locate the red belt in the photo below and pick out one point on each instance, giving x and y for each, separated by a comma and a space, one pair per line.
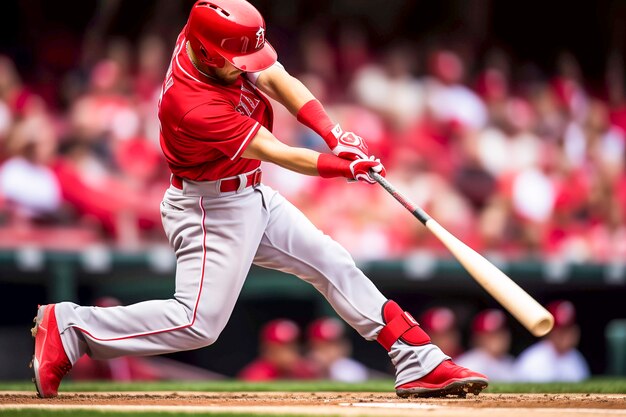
227, 184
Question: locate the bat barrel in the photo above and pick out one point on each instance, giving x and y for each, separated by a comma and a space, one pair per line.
510, 295
543, 326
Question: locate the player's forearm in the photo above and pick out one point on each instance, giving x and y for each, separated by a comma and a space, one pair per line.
282, 87
296, 97
265, 147
300, 160
308, 162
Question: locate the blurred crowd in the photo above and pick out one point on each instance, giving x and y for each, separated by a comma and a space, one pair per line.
553, 358
516, 165
91, 170
324, 351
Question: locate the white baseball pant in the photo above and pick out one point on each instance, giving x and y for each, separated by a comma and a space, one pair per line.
216, 237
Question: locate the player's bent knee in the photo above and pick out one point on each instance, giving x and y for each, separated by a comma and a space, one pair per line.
206, 326
202, 338
208, 340
205, 334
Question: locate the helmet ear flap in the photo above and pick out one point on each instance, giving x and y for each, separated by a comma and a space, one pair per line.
211, 59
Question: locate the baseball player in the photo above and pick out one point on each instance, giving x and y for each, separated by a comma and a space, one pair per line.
555, 358
441, 324
329, 350
491, 339
279, 355
216, 125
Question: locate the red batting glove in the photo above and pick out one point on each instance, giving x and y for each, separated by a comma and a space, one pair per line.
346, 145
329, 166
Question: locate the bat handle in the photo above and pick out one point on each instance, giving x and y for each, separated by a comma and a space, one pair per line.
379, 178
415, 210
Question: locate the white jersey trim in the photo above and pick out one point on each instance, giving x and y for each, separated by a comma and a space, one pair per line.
245, 141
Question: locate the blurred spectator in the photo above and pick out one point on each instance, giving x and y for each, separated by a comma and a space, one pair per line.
491, 341
441, 325
110, 174
27, 181
493, 85
329, 350
135, 368
391, 89
616, 88
447, 98
106, 111
362, 230
567, 85
151, 67
279, 355
353, 51
318, 59
100, 197
18, 98
555, 358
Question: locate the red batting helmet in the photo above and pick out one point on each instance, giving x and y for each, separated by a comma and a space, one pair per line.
280, 331
231, 30
489, 321
564, 313
438, 319
325, 329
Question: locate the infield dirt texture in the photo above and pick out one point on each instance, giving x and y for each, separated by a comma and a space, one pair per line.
25, 403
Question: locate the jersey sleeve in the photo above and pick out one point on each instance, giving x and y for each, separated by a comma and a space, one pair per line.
221, 127
254, 76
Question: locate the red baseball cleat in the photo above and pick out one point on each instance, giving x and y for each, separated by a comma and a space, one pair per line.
50, 363
447, 378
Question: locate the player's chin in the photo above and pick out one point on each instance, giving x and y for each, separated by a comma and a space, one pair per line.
230, 78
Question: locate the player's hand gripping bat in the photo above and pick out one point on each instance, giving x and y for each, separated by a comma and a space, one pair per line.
517, 301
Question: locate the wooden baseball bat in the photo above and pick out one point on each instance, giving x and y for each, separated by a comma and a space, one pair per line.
510, 295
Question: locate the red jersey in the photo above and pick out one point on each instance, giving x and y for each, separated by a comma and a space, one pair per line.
206, 126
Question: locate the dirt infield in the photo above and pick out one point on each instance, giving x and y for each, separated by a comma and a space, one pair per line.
330, 403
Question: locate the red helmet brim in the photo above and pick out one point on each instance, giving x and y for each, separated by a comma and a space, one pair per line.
254, 62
